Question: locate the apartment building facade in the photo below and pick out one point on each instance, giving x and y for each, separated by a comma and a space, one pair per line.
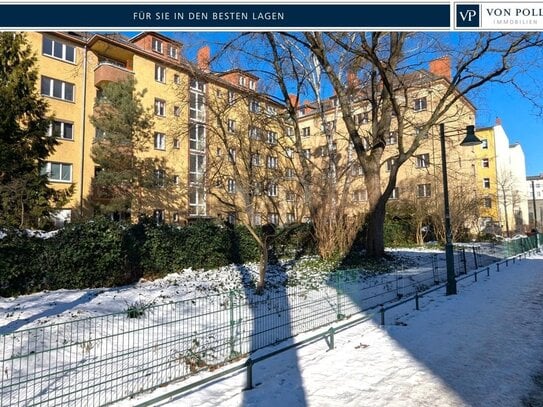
225, 150
535, 200
188, 103
501, 175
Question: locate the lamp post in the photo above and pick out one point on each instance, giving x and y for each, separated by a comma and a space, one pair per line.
470, 140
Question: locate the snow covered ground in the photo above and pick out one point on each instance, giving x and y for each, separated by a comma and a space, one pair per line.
479, 348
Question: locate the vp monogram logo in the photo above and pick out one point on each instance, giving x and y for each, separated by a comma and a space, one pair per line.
467, 15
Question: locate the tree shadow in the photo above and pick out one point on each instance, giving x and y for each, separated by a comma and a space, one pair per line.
433, 349
267, 324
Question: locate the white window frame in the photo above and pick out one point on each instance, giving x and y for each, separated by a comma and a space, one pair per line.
63, 126
197, 137
196, 168
160, 141
254, 106
160, 107
484, 144
50, 84
172, 52
160, 73
157, 45
271, 162
486, 183
64, 48
273, 218
306, 131
255, 159
272, 138
160, 178
47, 170
485, 163
272, 189
289, 173
231, 186
232, 155
420, 104
424, 190
231, 125
423, 160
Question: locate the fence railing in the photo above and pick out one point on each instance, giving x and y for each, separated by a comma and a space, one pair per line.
100, 360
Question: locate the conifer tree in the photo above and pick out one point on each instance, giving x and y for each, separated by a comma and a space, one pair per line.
123, 133
26, 199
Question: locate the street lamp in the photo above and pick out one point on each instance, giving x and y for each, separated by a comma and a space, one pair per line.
470, 140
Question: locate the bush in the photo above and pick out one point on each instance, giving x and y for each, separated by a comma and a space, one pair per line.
296, 240
92, 254
397, 232
21, 264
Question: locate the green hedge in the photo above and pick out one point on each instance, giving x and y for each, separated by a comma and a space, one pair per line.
103, 253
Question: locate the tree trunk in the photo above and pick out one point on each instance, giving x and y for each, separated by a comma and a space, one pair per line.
375, 239
262, 266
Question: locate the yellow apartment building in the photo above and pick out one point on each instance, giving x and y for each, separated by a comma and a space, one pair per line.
224, 149
188, 104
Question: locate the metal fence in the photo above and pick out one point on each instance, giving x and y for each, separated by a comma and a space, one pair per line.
100, 360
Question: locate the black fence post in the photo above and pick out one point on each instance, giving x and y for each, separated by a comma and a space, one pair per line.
475, 258
382, 311
417, 301
249, 384
464, 262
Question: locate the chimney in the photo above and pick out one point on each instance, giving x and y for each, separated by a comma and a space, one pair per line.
441, 67
498, 121
293, 100
203, 58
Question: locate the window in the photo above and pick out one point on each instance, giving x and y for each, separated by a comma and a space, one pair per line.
231, 186
158, 215
176, 179
176, 79
197, 203
271, 110
160, 73
231, 97
273, 218
306, 132
197, 137
424, 190
176, 143
289, 173
272, 189
390, 163
484, 143
257, 219
172, 52
271, 162
487, 202
231, 125
57, 49
328, 126
356, 170
360, 195
197, 108
177, 111
157, 45
160, 141
392, 138
419, 104
306, 153
160, 177
252, 84
290, 132
175, 217
59, 172
361, 118
231, 218
232, 155
486, 183
197, 85
57, 89
290, 196
242, 80
485, 163
255, 159
290, 217
272, 137
254, 105
160, 107
254, 133
395, 193
61, 130
423, 160
289, 152
196, 168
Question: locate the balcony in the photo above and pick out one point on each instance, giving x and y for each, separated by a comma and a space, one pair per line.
108, 72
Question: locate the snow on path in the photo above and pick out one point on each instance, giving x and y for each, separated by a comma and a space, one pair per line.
479, 348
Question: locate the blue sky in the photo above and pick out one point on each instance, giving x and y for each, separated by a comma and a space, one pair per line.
519, 117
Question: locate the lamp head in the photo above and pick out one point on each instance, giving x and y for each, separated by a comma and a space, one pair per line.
471, 139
